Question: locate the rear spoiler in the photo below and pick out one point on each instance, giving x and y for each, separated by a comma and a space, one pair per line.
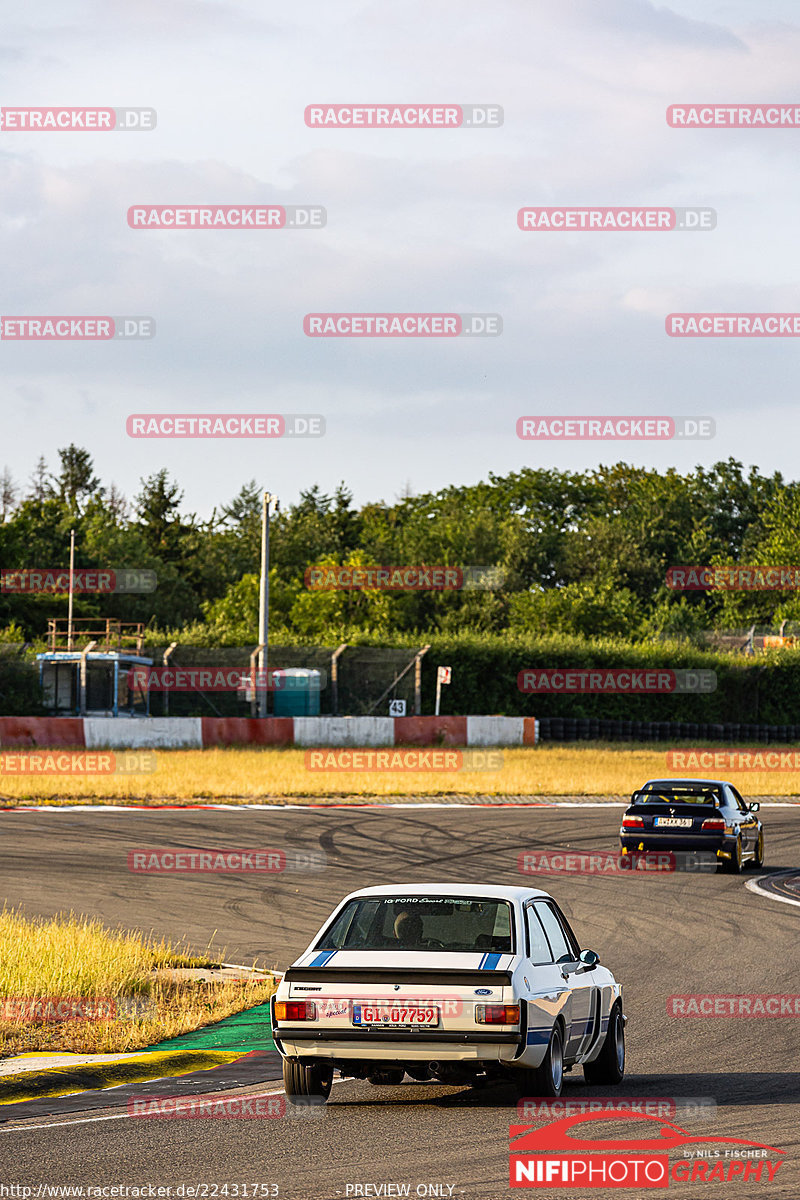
415, 975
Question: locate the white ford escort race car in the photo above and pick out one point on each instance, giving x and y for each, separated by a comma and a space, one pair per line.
447, 982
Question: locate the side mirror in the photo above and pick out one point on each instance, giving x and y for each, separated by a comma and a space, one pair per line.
588, 960
754, 807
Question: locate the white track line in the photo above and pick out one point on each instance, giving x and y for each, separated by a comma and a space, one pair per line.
130, 1116
289, 808
752, 885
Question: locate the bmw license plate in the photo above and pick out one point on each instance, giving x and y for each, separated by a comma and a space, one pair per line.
392, 1015
674, 822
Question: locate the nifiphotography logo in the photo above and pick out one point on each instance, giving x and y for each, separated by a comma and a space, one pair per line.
553, 1156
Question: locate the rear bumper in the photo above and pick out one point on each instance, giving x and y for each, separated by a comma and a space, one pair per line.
392, 1048
652, 843
408, 1037
399, 1045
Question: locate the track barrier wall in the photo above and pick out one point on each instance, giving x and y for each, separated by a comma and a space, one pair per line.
199, 732
124, 733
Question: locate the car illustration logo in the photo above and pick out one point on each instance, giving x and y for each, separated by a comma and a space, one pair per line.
483, 991
558, 1135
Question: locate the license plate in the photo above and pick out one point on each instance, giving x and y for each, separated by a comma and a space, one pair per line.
675, 822
392, 1015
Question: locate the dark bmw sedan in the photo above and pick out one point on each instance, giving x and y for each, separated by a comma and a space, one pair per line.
694, 815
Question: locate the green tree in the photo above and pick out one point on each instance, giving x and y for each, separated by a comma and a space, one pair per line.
157, 507
589, 608
76, 481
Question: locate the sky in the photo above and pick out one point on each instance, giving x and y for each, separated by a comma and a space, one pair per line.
418, 220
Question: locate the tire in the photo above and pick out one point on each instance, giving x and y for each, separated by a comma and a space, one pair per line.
390, 1078
609, 1066
758, 858
734, 863
306, 1083
548, 1079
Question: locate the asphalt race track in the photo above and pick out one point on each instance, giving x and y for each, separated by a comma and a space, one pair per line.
662, 934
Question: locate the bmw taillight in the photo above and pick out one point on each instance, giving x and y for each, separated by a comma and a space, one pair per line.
497, 1014
629, 822
713, 824
295, 1010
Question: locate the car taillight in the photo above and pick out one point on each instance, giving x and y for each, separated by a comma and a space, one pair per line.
713, 823
497, 1014
295, 1010
632, 822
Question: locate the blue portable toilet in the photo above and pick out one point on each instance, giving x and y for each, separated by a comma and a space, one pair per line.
297, 692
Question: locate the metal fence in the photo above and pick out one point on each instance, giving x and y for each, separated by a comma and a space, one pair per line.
357, 680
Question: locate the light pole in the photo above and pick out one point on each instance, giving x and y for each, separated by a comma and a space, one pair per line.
263, 607
71, 586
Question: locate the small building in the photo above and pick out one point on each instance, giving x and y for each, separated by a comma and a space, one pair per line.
105, 690
85, 672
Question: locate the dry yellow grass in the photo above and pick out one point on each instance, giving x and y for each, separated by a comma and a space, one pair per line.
76, 963
241, 775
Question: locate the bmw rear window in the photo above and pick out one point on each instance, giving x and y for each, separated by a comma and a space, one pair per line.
679, 795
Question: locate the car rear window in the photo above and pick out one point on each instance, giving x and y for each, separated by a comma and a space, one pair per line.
679, 795
421, 923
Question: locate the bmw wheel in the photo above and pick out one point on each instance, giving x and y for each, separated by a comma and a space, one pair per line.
735, 860
758, 857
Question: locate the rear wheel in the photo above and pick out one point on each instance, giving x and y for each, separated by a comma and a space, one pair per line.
387, 1078
758, 860
735, 860
548, 1079
609, 1066
306, 1083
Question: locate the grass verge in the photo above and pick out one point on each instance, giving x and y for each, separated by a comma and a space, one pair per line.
70, 985
241, 775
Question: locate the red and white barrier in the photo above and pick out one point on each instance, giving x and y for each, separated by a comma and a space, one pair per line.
151, 733
197, 733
